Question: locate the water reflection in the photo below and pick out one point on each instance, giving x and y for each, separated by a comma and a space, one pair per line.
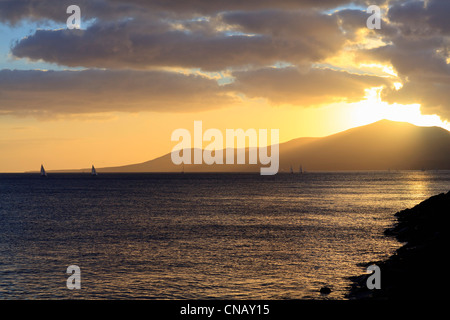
199, 236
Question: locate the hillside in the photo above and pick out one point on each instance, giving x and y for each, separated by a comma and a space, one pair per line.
381, 145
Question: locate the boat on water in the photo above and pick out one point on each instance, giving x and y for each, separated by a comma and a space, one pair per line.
291, 170
93, 171
300, 170
43, 173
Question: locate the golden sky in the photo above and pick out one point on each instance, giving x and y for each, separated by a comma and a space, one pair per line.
112, 92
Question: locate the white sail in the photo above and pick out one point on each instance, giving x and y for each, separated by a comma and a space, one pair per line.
43, 173
93, 172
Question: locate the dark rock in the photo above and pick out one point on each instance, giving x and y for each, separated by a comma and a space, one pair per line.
413, 272
325, 290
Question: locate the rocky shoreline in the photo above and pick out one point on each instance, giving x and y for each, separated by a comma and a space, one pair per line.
417, 269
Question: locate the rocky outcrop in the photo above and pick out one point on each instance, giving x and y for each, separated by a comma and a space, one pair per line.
417, 269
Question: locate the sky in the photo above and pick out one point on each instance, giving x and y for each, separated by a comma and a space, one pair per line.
112, 92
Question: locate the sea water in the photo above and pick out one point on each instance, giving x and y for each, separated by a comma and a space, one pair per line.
199, 236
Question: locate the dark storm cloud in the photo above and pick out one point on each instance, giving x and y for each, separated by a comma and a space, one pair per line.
91, 91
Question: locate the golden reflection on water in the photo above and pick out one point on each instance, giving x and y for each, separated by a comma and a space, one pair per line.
203, 236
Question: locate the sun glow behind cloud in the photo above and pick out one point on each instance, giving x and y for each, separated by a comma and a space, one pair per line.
146, 68
372, 109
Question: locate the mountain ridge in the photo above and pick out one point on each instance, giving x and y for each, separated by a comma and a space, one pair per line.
381, 145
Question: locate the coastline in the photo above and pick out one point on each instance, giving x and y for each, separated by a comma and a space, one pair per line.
415, 270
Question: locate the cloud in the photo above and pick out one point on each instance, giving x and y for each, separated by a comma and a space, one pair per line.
245, 38
421, 17
352, 21
139, 44
305, 88
212, 6
312, 28
14, 11
50, 93
419, 52
433, 94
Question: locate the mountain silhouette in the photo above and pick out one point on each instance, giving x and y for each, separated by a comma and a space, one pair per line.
381, 145
378, 146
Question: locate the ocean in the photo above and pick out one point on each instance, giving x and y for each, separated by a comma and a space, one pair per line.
199, 236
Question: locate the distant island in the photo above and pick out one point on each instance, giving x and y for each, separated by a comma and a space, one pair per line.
418, 269
383, 145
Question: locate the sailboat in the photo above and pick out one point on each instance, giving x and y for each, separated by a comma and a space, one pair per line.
93, 171
291, 170
300, 170
43, 173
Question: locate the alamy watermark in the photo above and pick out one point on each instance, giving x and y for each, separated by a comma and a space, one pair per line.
213, 153
74, 21
374, 21
374, 280
74, 281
